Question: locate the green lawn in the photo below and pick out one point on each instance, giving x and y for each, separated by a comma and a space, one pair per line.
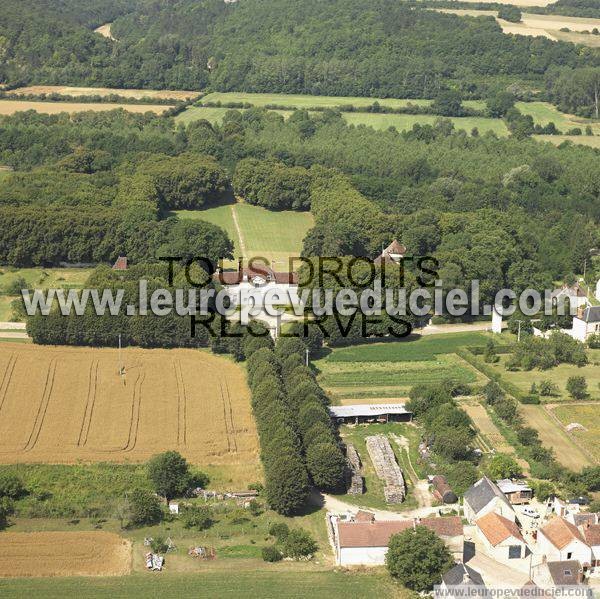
427, 347
221, 585
276, 235
212, 115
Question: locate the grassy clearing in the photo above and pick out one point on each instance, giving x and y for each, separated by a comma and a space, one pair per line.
558, 375
520, 2
586, 415
275, 235
225, 585
390, 379
45, 278
552, 435
544, 113
414, 348
221, 216
373, 496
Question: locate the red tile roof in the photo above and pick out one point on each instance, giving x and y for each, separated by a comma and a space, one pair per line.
592, 535
497, 528
121, 263
378, 533
560, 532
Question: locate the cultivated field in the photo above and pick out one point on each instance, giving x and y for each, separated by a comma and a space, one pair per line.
137, 94
536, 25
63, 405
553, 436
35, 554
8, 107
389, 370
389, 379
583, 140
255, 231
587, 416
519, 2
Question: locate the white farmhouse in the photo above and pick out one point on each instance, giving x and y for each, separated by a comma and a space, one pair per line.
485, 497
559, 540
586, 323
592, 538
501, 538
365, 542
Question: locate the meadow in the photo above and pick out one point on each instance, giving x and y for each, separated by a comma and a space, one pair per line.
559, 375
544, 113
64, 405
587, 416
402, 122
276, 235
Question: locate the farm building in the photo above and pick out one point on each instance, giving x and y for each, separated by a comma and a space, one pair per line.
559, 574
516, 492
361, 413
501, 537
575, 295
560, 540
365, 541
442, 490
485, 497
586, 323
592, 538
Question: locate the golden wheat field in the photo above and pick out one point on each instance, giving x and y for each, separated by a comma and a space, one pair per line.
63, 405
8, 107
96, 553
138, 94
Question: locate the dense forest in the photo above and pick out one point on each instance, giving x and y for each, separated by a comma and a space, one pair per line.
510, 212
352, 47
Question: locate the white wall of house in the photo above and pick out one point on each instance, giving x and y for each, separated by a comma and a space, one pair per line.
501, 552
495, 505
596, 555
574, 550
274, 294
367, 556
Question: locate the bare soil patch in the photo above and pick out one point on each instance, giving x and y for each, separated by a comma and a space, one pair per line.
8, 107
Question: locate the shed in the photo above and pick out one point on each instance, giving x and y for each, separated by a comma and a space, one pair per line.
359, 413
442, 490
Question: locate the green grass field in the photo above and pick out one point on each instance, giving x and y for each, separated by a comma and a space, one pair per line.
587, 416
274, 235
45, 278
426, 347
544, 113
402, 122
221, 585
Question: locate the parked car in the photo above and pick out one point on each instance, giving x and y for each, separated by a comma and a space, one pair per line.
579, 501
529, 511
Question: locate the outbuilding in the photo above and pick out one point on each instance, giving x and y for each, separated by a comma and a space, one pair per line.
442, 490
369, 413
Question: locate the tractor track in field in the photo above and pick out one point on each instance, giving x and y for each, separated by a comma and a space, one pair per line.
89, 404
181, 405
6, 379
43, 407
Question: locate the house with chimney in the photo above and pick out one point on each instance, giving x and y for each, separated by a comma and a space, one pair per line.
560, 540
586, 323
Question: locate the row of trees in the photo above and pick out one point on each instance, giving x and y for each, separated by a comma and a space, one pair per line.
298, 443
